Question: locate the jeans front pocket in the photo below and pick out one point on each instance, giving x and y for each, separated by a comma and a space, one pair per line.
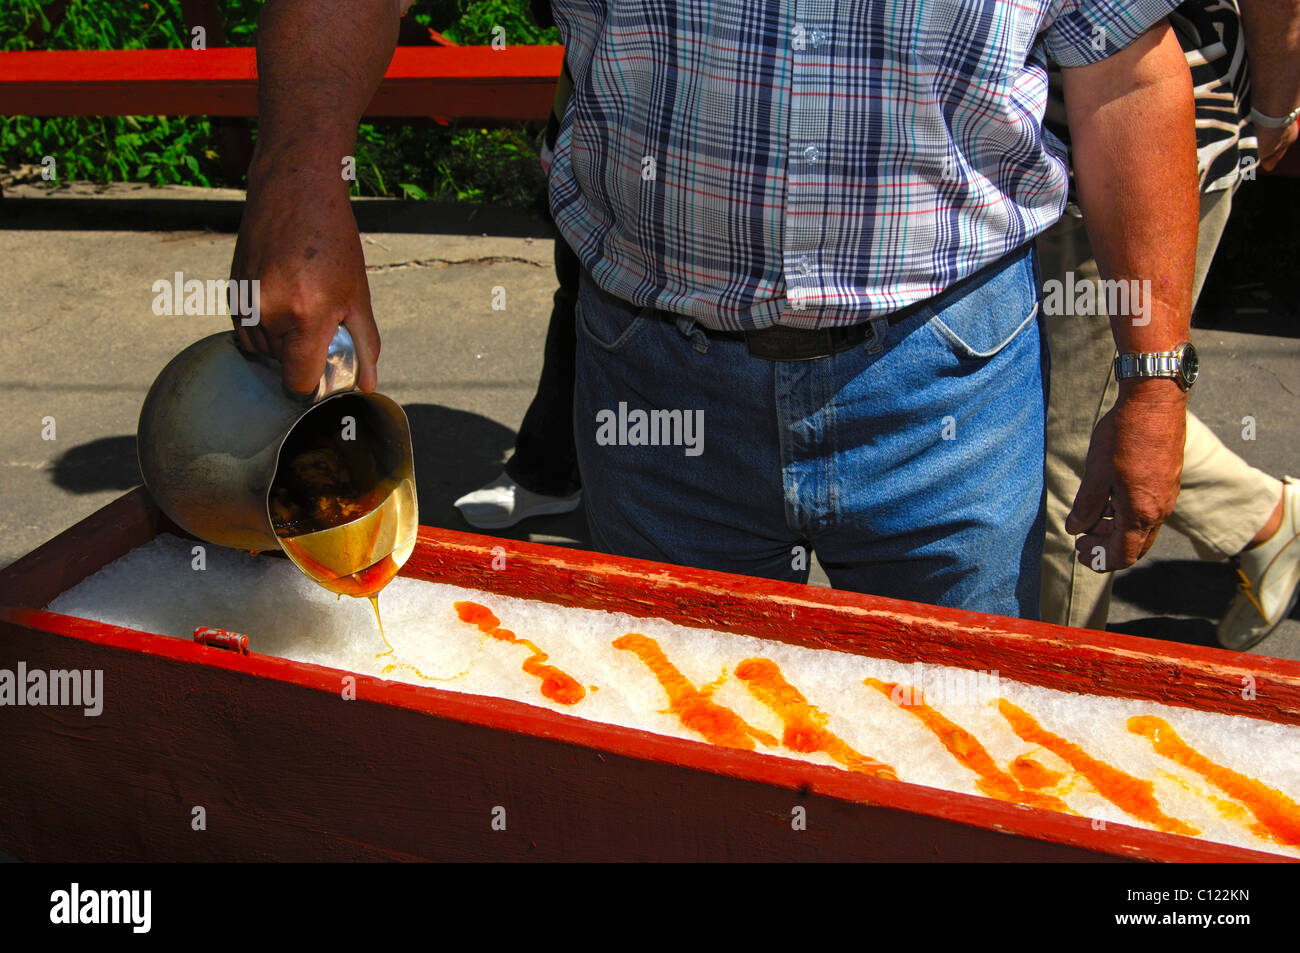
606, 320
988, 316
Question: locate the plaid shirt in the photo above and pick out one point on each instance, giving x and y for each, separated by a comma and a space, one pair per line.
813, 162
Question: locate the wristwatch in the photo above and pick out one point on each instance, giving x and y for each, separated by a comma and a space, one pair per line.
1181, 364
1274, 122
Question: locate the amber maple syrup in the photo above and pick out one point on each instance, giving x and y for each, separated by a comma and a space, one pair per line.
342, 519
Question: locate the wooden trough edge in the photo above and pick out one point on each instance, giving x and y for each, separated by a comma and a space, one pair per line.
1100, 663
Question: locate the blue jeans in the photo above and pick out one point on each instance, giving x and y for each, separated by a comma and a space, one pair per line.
913, 471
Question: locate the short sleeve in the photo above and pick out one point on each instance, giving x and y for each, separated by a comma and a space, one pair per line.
1087, 31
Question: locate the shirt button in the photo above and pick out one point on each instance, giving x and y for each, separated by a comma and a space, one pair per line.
816, 38
812, 153
804, 266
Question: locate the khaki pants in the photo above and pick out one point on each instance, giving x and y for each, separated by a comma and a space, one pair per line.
1223, 502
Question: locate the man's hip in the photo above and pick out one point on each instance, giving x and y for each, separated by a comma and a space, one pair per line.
912, 465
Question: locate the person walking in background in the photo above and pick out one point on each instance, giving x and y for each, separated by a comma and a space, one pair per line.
1227, 508
541, 476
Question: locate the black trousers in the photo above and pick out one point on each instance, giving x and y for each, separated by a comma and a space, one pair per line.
545, 460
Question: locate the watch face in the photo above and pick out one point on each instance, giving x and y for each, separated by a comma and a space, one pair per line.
1191, 365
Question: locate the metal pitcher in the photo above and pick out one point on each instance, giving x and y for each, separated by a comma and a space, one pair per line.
211, 433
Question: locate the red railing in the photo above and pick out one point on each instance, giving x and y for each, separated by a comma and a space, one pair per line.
464, 82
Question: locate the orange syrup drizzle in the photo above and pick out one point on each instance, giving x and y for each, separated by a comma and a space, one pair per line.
1132, 795
1278, 815
804, 723
557, 685
1229, 810
968, 751
1031, 774
395, 665
693, 706
374, 604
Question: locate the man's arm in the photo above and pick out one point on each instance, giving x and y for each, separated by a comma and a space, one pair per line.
319, 63
1272, 31
1132, 129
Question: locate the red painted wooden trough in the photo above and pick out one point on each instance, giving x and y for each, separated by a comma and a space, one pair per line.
285, 768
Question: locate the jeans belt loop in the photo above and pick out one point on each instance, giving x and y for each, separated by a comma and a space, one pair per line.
691, 330
879, 332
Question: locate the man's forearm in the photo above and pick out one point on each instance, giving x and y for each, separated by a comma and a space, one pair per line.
1272, 30
1132, 128
319, 63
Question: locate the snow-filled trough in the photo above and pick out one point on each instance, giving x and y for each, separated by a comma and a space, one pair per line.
1085, 740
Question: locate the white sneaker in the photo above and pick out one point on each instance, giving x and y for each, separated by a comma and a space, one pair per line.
503, 503
1270, 580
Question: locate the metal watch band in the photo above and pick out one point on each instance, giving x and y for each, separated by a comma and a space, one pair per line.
1274, 122
1181, 365
1161, 364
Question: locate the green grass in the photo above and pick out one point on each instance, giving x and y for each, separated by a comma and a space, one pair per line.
415, 161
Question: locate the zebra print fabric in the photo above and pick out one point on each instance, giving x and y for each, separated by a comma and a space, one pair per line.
1209, 32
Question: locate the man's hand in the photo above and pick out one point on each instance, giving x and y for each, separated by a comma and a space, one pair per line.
299, 239
1127, 491
1272, 31
1273, 144
319, 63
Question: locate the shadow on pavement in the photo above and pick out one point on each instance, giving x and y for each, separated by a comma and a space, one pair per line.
108, 463
1187, 598
1166, 629
457, 451
1250, 287
1182, 587
141, 213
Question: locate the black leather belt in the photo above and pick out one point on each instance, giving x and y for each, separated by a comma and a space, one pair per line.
781, 343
